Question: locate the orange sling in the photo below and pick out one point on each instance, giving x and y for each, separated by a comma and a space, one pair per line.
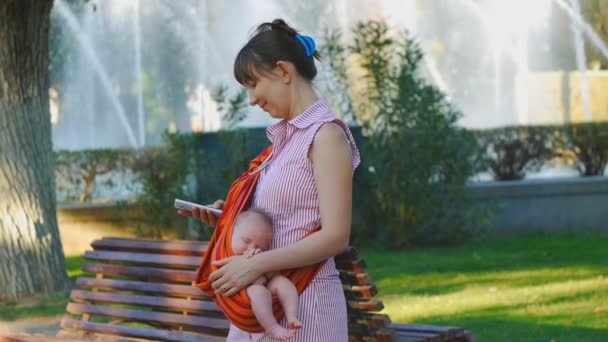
238, 307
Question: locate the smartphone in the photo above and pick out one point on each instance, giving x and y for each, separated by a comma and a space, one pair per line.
188, 206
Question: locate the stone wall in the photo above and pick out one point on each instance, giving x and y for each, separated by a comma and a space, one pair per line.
80, 224
546, 205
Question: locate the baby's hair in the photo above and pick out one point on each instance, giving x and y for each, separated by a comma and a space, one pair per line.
254, 211
270, 43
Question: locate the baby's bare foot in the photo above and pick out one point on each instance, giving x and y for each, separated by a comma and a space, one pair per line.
280, 333
294, 323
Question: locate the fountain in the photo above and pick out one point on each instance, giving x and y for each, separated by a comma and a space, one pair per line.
138, 72
492, 58
72, 23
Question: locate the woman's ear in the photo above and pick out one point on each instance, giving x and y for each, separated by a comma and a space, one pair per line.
286, 71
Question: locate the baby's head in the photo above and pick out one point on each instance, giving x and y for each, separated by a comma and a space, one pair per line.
252, 229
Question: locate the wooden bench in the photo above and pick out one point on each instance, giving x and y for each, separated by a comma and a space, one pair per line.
141, 289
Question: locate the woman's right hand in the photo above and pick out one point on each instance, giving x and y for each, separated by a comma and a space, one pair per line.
205, 216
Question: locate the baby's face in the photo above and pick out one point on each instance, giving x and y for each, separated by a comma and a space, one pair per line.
251, 233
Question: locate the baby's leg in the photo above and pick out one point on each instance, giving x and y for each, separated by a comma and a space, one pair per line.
288, 295
261, 303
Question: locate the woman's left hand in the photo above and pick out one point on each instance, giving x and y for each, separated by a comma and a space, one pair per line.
234, 273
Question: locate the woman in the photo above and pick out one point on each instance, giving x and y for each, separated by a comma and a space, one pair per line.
307, 182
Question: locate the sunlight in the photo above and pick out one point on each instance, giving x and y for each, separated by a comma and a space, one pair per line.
405, 308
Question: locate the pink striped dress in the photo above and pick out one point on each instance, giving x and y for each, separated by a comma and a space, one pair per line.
286, 191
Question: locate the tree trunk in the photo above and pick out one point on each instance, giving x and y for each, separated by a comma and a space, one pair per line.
31, 254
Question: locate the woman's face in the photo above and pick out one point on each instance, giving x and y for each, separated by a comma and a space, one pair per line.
271, 93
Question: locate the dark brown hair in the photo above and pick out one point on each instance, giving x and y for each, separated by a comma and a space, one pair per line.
270, 43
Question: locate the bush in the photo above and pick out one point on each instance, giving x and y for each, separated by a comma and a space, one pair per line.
162, 173
411, 184
217, 159
77, 171
584, 145
511, 151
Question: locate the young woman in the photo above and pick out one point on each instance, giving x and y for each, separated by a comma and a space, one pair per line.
306, 184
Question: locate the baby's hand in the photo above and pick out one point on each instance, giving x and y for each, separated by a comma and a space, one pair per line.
251, 252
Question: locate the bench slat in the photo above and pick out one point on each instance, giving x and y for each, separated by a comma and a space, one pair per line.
141, 286
372, 320
355, 278
177, 304
174, 290
185, 242
444, 331
367, 291
188, 248
193, 321
173, 247
156, 334
142, 273
71, 335
365, 305
179, 247
164, 275
418, 336
379, 334
144, 259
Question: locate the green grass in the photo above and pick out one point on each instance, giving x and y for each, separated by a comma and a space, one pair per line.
535, 288
51, 305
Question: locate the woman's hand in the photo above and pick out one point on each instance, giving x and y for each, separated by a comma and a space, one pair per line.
235, 273
205, 216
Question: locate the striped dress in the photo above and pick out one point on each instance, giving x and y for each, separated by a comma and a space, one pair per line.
286, 191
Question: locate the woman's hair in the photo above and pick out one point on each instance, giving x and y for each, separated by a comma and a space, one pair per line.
270, 43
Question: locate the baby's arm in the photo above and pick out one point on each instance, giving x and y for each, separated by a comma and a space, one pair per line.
262, 280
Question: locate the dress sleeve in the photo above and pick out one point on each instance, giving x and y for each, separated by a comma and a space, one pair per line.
351, 141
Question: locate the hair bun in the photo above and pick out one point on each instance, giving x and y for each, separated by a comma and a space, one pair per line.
280, 24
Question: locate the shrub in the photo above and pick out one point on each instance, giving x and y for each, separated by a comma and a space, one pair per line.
162, 173
511, 151
77, 171
584, 145
411, 185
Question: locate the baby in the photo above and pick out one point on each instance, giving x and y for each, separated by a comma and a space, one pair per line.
251, 235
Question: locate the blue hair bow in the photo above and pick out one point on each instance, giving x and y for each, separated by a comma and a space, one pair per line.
308, 43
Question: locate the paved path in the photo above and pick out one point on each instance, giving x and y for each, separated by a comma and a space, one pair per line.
32, 325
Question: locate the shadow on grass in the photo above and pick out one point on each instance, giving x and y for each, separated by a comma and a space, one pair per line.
40, 306
578, 316
492, 329
513, 261
450, 282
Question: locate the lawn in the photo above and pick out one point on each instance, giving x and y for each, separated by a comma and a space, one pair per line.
51, 305
536, 288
